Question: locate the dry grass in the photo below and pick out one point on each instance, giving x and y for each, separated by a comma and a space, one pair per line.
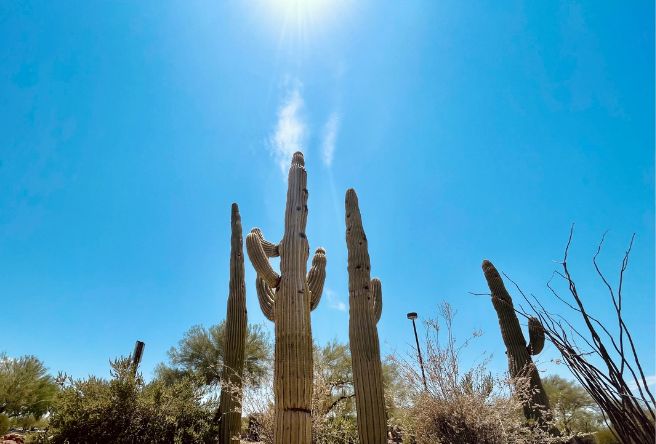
462, 406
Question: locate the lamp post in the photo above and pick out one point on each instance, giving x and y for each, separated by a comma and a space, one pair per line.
412, 316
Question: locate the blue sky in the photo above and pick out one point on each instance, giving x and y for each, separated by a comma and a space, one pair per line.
470, 130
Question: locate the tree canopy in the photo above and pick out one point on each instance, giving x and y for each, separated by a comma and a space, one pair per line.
200, 353
573, 408
26, 388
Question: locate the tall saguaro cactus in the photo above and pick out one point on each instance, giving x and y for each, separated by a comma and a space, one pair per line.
234, 343
365, 308
287, 299
520, 364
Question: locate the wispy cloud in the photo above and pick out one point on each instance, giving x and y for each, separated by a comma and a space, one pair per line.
651, 382
333, 300
330, 130
290, 131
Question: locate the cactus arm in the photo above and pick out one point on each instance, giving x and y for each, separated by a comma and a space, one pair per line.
520, 365
536, 336
270, 249
259, 260
377, 298
316, 277
266, 297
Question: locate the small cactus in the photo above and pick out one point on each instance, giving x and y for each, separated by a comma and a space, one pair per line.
520, 364
287, 299
234, 342
365, 308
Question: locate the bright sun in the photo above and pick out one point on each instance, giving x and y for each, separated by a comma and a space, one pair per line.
305, 15
300, 5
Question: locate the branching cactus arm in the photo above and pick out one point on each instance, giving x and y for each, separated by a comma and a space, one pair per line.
316, 277
377, 298
536, 336
270, 249
260, 261
266, 297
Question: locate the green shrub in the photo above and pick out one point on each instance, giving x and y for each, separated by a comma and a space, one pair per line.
605, 436
124, 410
4, 424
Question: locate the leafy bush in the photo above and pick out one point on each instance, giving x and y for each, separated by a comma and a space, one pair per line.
125, 410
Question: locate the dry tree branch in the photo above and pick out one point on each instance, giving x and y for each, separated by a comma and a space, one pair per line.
627, 402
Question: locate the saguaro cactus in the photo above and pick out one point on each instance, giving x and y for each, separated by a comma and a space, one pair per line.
287, 299
520, 364
234, 342
365, 308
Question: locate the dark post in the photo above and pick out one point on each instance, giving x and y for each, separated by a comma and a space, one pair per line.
136, 355
412, 316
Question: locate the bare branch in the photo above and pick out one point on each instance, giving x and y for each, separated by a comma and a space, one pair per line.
627, 403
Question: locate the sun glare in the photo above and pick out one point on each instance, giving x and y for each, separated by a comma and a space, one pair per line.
300, 6
302, 17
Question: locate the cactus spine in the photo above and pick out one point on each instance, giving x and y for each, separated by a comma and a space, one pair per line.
520, 364
287, 299
365, 308
234, 341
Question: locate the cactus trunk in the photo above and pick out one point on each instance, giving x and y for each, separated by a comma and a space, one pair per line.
520, 365
365, 307
234, 340
287, 299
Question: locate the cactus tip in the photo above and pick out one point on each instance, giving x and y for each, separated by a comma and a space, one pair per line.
321, 250
487, 265
298, 159
351, 196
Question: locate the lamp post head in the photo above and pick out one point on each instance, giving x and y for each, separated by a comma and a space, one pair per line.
412, 315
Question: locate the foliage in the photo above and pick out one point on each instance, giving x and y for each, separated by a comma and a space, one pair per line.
573, 409
398, 394
125, 410
199, 354
332, 366
26, 388
605, 436
4, 424
461, 406
333, 400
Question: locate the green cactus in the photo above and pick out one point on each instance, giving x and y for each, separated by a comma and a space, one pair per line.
287, 299
365, 308
520, 364
235, 339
